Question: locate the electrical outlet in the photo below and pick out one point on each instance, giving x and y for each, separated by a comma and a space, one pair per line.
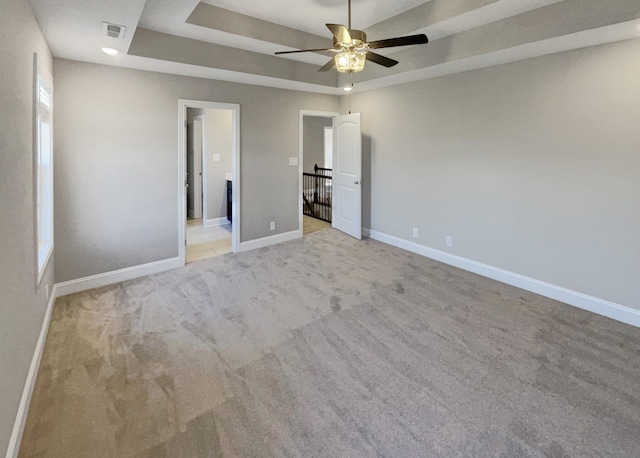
415, 232
272, 226
448, 240
216, 158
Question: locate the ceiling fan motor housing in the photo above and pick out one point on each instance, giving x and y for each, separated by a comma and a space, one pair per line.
358, 40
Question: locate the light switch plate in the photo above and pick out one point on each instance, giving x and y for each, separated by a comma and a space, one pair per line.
293, 161
216, 158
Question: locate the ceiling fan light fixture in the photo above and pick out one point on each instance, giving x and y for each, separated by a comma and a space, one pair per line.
350, 61
353, 49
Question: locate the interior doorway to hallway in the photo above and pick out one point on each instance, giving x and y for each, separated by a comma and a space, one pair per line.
210, 178
315, 159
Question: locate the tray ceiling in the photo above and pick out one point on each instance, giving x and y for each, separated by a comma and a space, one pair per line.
234, 40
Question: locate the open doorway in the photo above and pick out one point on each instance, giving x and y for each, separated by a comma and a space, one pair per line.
315, 158
210, 191
209, 160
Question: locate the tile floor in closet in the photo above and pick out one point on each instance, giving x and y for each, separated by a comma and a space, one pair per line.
206, 242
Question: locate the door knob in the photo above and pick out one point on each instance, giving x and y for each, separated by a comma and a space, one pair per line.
356, 182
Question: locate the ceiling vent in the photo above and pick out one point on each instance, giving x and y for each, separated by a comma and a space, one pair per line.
113, 30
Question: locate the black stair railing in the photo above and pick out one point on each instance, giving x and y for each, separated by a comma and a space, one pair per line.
316, 192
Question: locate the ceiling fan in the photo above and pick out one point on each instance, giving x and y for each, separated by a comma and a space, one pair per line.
352, 49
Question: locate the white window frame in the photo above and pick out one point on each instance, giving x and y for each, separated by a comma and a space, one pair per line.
43, 167
328, 147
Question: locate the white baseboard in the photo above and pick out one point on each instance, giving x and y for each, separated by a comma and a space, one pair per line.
116, 276
593, 304
270, 240
216, 222
29, 384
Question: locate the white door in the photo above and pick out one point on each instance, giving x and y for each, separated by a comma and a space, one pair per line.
197, 166
347, 175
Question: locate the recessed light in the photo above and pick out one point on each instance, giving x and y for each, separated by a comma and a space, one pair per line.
110, 51
348, 88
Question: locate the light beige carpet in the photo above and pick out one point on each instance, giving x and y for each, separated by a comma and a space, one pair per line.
326, 346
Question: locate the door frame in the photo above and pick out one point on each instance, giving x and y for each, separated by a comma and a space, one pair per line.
183, 104
201, 199
302, 114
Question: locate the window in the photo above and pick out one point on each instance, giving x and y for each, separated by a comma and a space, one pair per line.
328, 147
43, 167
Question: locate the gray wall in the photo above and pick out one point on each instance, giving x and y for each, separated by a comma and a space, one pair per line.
116, 157
313, 141
532, 167
219, 140
22, 304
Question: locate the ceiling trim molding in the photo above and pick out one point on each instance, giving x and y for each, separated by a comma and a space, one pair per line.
214, 17
163, 46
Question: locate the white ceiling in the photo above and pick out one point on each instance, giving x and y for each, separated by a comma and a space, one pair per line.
464, 34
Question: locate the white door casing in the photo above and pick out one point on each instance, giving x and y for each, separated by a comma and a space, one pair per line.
198, 147
347, 175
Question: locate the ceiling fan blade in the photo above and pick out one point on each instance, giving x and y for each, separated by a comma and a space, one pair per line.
341, 33
305, 50
381, 60
399, 41
328, 66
